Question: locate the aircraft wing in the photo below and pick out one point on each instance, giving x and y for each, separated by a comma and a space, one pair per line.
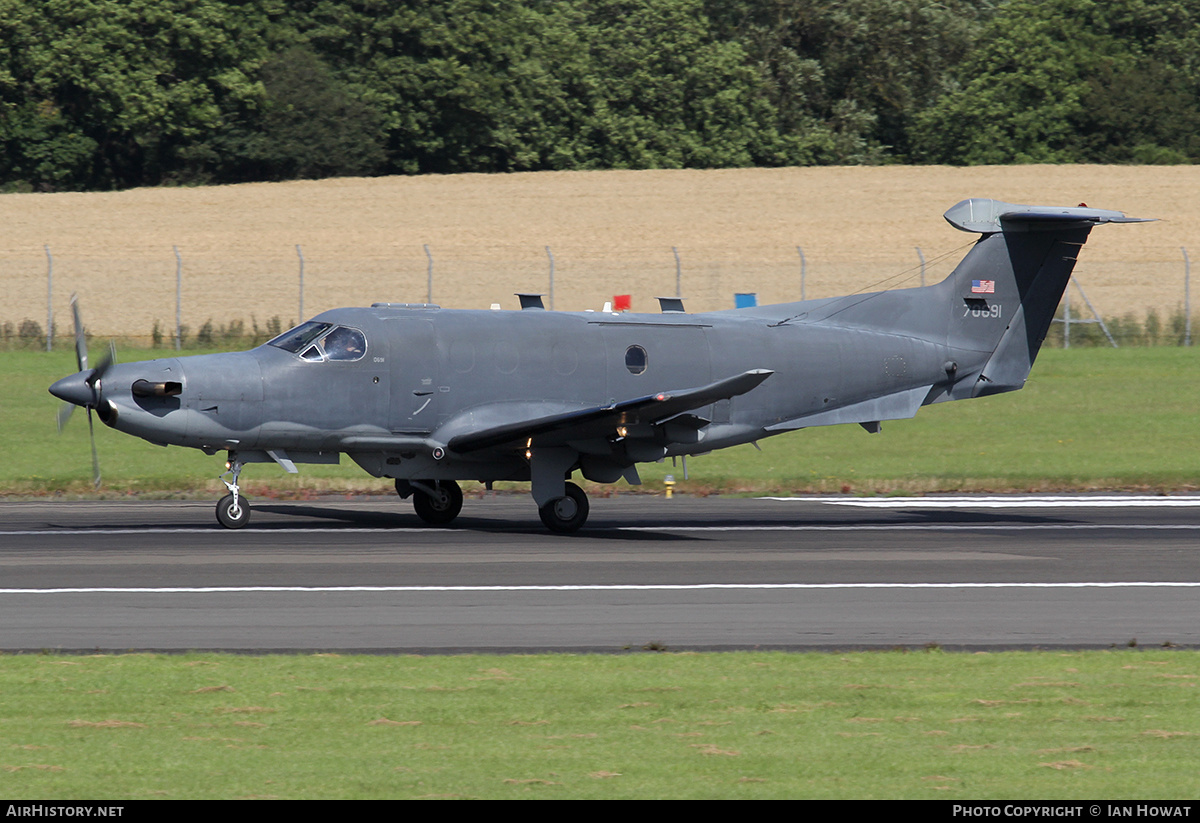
524, 422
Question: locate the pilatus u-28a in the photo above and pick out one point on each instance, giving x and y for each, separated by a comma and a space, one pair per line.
430, 396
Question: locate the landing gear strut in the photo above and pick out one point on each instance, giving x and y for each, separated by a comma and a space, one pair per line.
437, 502
566, 514
233, 510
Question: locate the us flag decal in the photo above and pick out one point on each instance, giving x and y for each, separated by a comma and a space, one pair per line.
983, 287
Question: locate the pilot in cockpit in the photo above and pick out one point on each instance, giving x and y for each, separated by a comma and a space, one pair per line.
344, 344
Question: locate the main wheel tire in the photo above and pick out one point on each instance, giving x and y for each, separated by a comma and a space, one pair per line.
232, 517
567, 513
442, 509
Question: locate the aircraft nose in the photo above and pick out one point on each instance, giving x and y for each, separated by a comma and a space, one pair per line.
74, 388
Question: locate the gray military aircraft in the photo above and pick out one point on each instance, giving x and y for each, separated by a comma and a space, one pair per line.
429, 396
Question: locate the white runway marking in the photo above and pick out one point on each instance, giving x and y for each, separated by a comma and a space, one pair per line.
664, 527
600, 588
924, 527
1006, 502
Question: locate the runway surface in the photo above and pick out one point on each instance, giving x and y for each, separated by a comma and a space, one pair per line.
689, 573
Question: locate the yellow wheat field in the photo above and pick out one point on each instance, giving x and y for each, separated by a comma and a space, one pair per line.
363, 240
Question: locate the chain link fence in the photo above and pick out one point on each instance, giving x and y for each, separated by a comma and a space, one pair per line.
157, 298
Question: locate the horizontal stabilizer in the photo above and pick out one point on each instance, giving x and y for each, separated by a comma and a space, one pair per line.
984, 216
588, 422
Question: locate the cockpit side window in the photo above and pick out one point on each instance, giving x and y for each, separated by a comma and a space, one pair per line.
344, 344
296, 339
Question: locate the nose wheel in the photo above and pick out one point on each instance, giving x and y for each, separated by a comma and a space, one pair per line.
233, 510
567, 513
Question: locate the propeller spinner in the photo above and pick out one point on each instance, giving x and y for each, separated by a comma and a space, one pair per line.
84, 388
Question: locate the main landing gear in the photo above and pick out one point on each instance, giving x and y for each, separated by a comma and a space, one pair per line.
566, 514
233, 510
437, 502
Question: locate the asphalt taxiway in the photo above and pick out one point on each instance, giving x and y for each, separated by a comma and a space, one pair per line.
688, 573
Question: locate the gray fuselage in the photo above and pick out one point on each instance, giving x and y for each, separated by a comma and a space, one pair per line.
429, 371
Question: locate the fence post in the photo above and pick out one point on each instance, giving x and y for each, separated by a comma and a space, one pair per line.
920, 255
803, 271
300, 254
1095, 314
1187, 297
678, 272
429, 276
178, 299
49, 298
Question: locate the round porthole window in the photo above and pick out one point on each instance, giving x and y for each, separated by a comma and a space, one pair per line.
635, 359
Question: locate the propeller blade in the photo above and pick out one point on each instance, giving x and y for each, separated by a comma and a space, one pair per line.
106, 363
81, 354
64, 414
84, 387
95, 459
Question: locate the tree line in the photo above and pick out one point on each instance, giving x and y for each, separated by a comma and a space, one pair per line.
110, 94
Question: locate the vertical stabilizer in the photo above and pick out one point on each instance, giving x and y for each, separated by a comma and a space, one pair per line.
1007, 289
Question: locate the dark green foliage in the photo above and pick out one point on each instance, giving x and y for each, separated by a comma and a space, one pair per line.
476, 85
102, 94
847, 79
1126, 330
30, 332
646, 86
232, 333
456, 83
1068, 81
1143, 112
308, 125
258, 336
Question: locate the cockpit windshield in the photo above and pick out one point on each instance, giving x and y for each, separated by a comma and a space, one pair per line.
318, 343
299, 337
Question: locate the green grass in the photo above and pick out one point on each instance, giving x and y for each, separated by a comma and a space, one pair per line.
1088, 419
1118, 724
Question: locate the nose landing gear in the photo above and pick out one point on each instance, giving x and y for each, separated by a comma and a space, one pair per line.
233, 510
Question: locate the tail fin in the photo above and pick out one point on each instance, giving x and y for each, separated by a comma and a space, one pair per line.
1011, 282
